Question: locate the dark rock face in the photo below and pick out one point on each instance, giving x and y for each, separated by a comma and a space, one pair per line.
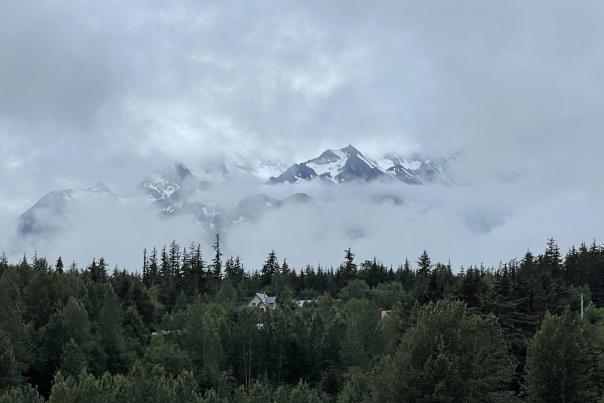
293, 174
358, 167
344, 165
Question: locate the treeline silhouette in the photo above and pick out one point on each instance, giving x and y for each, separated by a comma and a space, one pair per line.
179, 329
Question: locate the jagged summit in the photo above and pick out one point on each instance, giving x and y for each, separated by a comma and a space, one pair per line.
342, 165
348, 164
350, 149
162, 184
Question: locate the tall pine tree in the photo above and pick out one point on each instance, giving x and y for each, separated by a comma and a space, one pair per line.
269, 269
59, 265
217, 261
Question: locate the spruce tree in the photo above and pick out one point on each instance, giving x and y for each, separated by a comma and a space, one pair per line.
166, 277
59, 265
269, 269
98, 271
217, 261
349, 264
229, 268
153, 269
552, 257
424, 264
347, 270
198, 271
236, 271
165, 274
285, 267
24, 264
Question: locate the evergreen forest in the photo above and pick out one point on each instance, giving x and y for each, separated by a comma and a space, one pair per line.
179, 328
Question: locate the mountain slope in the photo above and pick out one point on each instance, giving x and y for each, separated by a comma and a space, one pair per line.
416, 170
337, 166
177, 191
52, 213
349, 165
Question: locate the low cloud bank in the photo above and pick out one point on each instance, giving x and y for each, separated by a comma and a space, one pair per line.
483, 222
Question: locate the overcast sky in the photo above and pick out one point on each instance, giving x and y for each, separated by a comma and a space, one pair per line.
102, 91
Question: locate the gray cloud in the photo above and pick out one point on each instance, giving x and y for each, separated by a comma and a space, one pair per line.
107, 91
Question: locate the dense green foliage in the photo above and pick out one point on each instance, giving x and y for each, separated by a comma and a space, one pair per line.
182, 330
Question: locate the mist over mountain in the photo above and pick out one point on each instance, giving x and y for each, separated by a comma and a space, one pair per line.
391, 203
178, 193
475, 130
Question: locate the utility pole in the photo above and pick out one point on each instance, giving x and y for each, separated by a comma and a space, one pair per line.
581, 306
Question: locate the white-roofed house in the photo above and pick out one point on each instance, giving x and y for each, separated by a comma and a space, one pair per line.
263, 302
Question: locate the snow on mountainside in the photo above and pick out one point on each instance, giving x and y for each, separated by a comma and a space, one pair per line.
178, 191
162, 185
415, 170
349, 164
223, 168
336, 166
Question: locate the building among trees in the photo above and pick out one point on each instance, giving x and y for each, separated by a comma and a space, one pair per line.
263, 302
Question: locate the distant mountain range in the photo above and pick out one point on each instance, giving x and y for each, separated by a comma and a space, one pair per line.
348, 165
178, 191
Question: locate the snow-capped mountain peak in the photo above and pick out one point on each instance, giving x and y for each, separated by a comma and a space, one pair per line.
161, 185
337, 166
349, 164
